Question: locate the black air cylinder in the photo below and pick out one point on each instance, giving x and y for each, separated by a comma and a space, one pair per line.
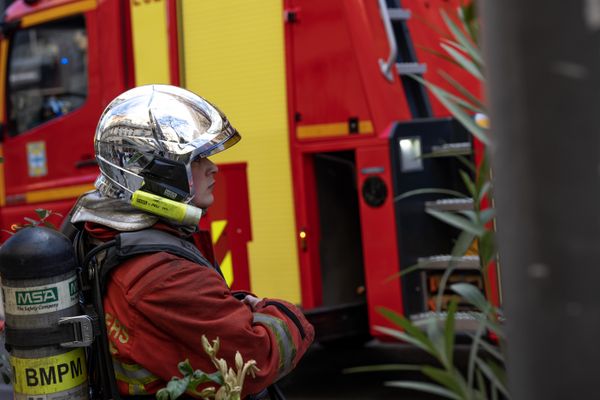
39, 288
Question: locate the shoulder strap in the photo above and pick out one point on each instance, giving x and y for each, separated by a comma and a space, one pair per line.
130, 244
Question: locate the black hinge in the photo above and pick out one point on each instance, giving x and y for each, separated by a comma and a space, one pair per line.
291, 15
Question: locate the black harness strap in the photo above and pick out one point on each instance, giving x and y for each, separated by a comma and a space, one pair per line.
131, 244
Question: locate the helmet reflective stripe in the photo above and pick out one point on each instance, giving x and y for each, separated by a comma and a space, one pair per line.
149, 136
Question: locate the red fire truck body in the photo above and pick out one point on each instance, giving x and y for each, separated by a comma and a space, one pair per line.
306, 205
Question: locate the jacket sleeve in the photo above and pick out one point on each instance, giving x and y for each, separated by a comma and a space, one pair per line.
186, 301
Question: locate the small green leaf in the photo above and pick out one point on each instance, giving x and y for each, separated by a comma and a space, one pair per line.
487, 215
163, 394
437, 53
490, 325
481, 383
451, 381
424, 387
487, 249
463, 61
31, 221
473, 295
200, 377
495, 374
418, 192
469, 18
185, 367
466, 43
472, 215
405, 324
489, 348
465, 119
462, 90
433, 328
464, 161
473, 351
49, 225
485, 188
462, 244
457, 221
483, 173
469, 184
176, 387
449, 331
384, 367
42, 213
402, 336
406, 271
447, 95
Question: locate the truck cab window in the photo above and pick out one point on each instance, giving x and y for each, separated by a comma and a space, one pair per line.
47, 73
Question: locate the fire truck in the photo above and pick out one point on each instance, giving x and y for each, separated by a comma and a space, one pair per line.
334, 131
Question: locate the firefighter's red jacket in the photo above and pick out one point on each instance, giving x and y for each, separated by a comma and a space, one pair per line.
158, 306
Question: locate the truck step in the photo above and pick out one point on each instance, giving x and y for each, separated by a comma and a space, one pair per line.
399, 14
464, 321
406, 68
452, 149
450, 204
443, 261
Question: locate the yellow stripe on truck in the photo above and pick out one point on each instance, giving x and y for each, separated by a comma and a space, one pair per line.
58, 12
233, 54
329, 130
150, 48
61, 193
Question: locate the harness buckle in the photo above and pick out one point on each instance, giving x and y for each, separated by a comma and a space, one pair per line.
83, 330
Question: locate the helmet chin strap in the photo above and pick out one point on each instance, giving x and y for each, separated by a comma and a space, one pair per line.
128, 191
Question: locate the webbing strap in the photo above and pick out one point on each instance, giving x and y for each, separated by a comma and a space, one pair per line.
39, 337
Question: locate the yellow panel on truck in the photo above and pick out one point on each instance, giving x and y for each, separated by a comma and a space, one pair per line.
233, 54
149, 25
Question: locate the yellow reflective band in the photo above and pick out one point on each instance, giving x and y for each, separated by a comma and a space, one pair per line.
133, 374
285, 343
58, 12
328, 130
33, 376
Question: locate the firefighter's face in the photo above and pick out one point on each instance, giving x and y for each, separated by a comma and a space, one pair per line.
203, 174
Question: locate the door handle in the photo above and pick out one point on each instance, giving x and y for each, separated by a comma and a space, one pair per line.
88, 162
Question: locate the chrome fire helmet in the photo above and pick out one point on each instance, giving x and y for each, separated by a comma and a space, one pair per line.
148, 136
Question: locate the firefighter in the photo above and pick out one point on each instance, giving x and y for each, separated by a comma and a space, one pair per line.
155, 141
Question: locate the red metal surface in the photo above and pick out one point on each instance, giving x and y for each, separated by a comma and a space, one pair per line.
427, 30
380, 244
233, 205
326, 75
173, 39
302, 173
343, 71
386, 100
15, 214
